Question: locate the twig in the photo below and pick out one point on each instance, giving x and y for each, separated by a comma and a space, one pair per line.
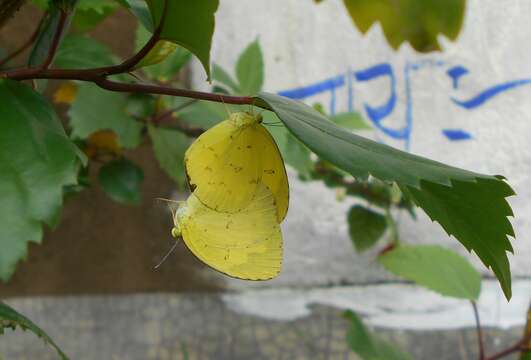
98, 76
520, 345
481, 343
24, 46
158, 118
130, 63
55, 41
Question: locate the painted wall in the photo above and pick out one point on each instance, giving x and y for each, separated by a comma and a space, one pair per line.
469, 106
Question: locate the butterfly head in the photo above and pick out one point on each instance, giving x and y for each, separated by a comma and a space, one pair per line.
178, 218
242, 119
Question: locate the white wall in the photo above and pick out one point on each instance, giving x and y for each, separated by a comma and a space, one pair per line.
306, 43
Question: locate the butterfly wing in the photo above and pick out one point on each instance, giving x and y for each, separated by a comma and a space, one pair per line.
226, 164
222, 168
245, 245
273, 171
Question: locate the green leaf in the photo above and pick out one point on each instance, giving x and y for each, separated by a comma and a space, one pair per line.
365, 226
294, 153
202, 114
170, 146
36, 161
351, 121
369, 346
89, 13
42, 44
468, 205
189, 24
97, 109
121, 180
435, 268
250, 69
11, 319
220, 75
418, 22
82, 52
164, 61
140, 9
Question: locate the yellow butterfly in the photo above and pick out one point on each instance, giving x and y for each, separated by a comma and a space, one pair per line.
246, 244
226, 165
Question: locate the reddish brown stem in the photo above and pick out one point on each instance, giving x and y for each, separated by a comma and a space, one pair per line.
519, 346
130, 63
24, 46
479, 330
55, 41
99, 75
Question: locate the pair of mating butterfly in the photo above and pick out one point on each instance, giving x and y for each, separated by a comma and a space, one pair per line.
239, 197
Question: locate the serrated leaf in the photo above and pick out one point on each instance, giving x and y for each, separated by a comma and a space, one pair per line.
170, 146
468, 205
351, 121
121, 180
189, 24
220, 75
369, 346
418, 22
36, 161
435, 268
164, 61
96, 109
250, 69
10, 318
82, 52
365, 227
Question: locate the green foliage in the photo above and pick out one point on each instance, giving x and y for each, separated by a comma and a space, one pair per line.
11, 319
36, 161
221, 76
140, 9
169, 146
189, 24
367, 345
97, 109
365, 227
435, 268
418, 22
82, 52
250, 69
293, 152
90, 13
351, 121
42, 44
164, 67
446, 194
121, 180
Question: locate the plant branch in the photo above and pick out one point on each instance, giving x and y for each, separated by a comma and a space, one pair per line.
98, 76
479, 330
519, 346
24, 46
166, 90
55, 41
130, 63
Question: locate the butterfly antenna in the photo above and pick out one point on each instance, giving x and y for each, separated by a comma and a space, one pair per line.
166, 256
226, 107
169, 200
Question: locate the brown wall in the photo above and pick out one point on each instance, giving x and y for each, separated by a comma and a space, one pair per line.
101, 246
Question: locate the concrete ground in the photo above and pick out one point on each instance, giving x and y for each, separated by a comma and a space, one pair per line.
225, 326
